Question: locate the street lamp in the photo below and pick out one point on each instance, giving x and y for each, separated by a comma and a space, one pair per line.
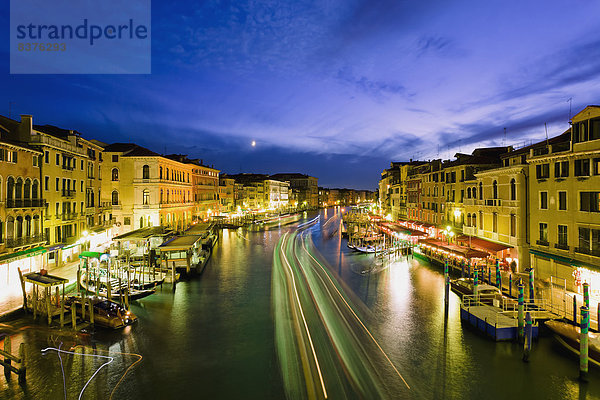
448, 233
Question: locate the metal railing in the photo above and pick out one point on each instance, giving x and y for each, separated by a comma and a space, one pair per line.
25, 203
24, 241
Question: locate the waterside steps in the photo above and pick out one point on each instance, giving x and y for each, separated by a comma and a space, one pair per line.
500, 320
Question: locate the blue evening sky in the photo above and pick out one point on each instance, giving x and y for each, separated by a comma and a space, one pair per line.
336, 89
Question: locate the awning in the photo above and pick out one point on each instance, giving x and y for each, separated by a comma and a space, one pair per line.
482, 244
454, 249
44, 280
22, 254
562, 259
92, 254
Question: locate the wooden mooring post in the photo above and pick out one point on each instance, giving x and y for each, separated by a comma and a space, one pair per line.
583, 343
9, 358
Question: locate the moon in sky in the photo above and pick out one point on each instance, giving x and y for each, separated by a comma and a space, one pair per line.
253, 143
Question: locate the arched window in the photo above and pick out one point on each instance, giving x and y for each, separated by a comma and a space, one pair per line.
146, 197
468, 193
36, 225
115, 174
19, 227
480, 191
167, 175
495, 189
513, 189
160, 173
115, 198
34, 189
145, 172
10, 228
161, 196
141, 222
10, 188
474, 192
468, 219
27, 189
480, 219
19, 189
28, 225
474, 220
167, 195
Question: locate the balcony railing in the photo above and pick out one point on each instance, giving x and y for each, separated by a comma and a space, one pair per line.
25, 203
68, 216
24, 241
68, 193
561, 246
542, 242
493, 202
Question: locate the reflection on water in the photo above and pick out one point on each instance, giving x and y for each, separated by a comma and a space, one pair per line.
214, 337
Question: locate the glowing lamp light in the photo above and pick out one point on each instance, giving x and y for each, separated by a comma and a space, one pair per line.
457, 213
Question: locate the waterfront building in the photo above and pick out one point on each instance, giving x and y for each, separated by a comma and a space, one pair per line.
276, 194
433, 195
226, 194
305, 188
259, 191
323, 197
495, 211
564, 204
21, 211
146, 189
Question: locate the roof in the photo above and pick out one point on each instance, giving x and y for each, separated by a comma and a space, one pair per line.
482, 244
288, 176
130, 150
199, 229
144, 233
44, 280
179, 243
55, 131
564, 137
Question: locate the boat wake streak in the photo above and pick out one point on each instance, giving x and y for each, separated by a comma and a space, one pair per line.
324, 348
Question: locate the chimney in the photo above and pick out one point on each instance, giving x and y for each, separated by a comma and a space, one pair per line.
25, 128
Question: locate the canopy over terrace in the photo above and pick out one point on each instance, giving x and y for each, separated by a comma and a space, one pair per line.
399, 229
487, 246
452, 249
139, 241
200, 229
181, 251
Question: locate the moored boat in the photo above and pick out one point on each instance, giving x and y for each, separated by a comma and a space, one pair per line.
107, 313
568, 336
116, 291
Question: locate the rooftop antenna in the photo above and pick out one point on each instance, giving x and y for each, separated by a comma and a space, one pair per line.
570, 101
10, 103
504, 144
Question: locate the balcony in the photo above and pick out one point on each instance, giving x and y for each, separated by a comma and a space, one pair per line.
493, 202
24, 241
561, 246
68, 193
68, 216
542, 243
25, 203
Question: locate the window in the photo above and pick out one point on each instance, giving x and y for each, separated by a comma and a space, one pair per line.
57, 159
562, 237
584, 240
145, 197
495, 222
495, 190
46, 157
115, 174
562, 200
127, 221
160, 173
115, 158
589, 201
115, 198
46, 182
543, 200
57, 184
513, 189
543, 234
513, 225
468, 193
480, 191
81, 186
596, 166
82, 166
582, 167
561, 169
145, 172
481, 220
542, 171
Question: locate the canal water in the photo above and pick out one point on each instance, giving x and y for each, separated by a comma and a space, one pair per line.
213, 337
